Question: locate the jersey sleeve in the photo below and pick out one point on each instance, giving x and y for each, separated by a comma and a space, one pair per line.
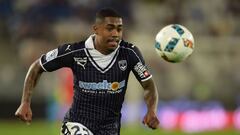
139, 69
57, 58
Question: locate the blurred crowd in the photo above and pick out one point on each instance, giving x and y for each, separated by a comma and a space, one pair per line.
36, 18
22, 19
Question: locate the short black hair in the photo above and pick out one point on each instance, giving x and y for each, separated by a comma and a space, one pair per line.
106, 12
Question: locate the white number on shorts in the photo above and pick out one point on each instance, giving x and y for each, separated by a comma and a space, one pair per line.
80, 130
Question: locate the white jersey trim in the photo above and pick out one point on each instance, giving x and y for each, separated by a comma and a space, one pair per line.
107, 67
40, 62
143, 80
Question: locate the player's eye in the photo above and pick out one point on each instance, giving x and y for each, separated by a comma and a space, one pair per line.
109, 28
119, 29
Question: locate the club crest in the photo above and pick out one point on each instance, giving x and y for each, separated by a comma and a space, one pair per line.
122, 65
81, 61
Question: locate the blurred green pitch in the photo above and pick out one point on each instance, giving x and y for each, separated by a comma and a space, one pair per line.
48, 128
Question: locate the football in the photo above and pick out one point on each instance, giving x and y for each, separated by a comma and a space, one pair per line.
174, 43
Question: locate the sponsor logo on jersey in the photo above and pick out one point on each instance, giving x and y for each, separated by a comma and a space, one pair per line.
104, 85
141, 70
122, 65
81, 61
51, 55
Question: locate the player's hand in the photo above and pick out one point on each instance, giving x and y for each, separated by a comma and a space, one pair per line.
24, 113
151, 120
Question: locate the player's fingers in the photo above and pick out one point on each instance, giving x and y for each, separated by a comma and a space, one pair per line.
144, 120
153, 126
18, 115
28, 118
154, 123
28, 121
21, 117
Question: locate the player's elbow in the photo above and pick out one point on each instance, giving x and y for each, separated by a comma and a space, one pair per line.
149, 84
36, 66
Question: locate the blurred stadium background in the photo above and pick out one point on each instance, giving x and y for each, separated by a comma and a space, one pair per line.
199, 96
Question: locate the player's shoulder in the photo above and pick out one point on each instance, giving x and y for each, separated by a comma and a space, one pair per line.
72, 47
128, 46
75, 45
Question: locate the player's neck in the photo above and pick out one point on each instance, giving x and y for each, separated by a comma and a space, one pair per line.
97, 46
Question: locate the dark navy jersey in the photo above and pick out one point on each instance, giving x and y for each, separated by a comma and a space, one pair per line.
100, 81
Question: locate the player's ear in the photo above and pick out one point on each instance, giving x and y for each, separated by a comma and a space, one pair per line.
94, 27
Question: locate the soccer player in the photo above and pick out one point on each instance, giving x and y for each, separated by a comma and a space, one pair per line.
101, 65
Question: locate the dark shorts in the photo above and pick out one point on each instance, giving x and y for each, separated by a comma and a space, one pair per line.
109, 129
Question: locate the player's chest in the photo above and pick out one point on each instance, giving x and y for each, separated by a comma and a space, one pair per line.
111, 67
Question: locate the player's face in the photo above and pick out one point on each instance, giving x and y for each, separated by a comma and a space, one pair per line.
108, 34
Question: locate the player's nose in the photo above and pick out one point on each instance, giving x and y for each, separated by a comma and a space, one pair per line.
114, 33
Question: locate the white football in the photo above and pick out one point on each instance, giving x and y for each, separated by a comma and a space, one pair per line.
174, 43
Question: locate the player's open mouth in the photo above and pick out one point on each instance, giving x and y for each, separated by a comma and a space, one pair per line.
113, 42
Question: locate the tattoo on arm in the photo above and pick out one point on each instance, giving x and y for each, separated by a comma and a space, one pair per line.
31, 80
150, 94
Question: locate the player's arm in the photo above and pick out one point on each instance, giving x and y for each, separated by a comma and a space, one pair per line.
150, 92
24, 111
51, 61
151, 99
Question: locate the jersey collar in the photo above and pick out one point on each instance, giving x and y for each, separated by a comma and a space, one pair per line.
89, 42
